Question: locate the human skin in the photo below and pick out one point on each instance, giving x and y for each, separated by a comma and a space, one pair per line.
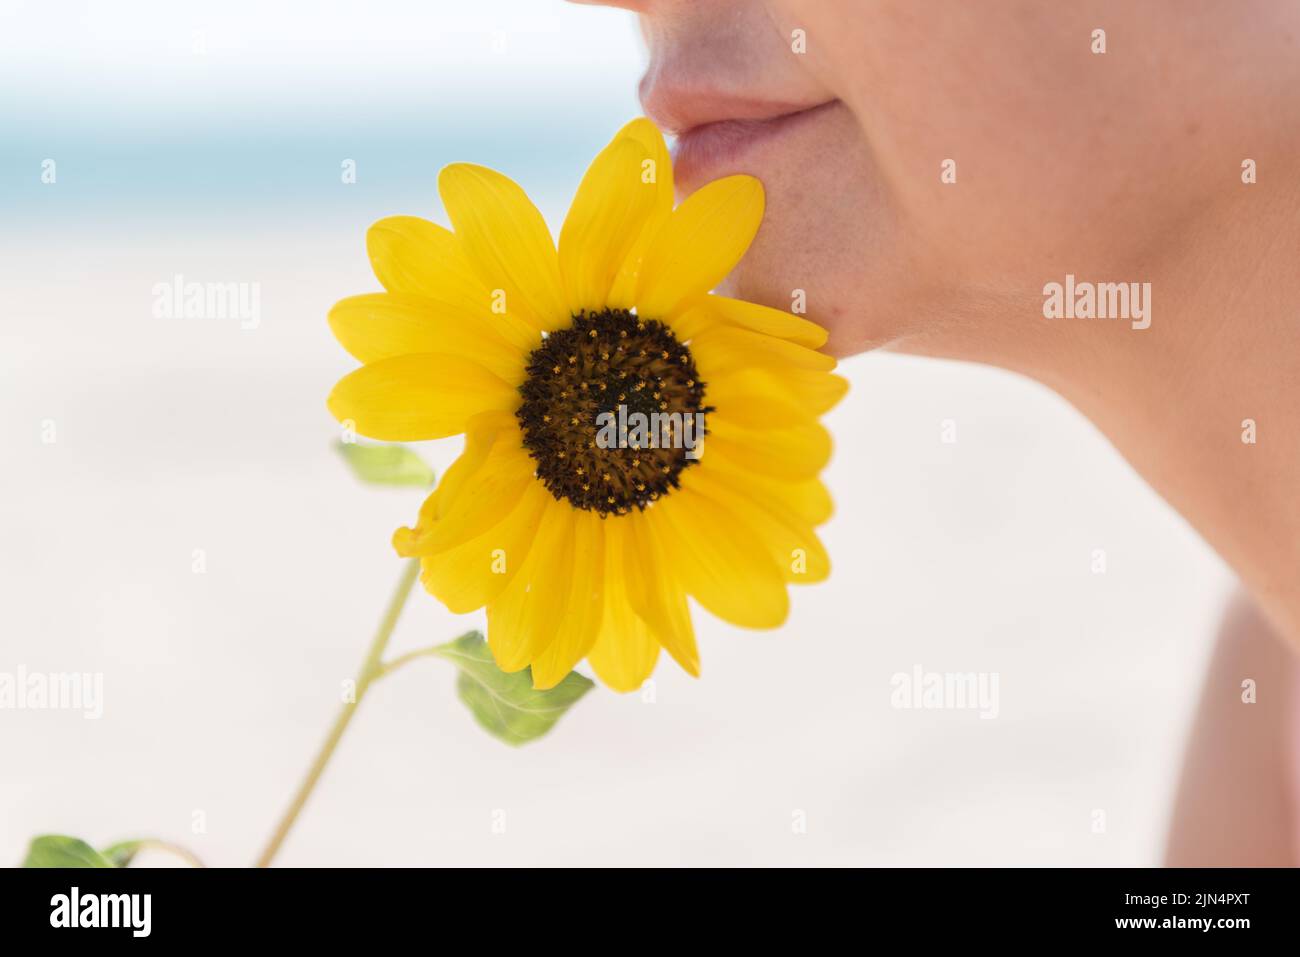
1234, 804
1122, 166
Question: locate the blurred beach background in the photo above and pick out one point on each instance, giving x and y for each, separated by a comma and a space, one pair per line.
209, 141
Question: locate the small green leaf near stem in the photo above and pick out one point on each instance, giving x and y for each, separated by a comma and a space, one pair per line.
60, 850
123, 853
505, 704
386, 464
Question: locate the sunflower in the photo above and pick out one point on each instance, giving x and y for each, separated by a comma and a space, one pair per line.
580, 548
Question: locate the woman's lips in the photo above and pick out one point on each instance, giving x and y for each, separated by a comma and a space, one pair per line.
711, 150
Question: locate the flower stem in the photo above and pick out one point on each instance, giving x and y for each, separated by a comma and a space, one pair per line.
371, 669
184, 854
388, 667
128, 850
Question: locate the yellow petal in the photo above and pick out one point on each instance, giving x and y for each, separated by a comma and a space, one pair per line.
752, 399
794, 453
584, 605
383, 325
802, 395
806, 498
493, 457
815, 392
421, 396
473, 574
660, 172
794, 547
605, 222
625, 651
712, 312
481, 435
504, 476
720, 561
527, 615
769, 322
647, 135
699, 244
506, 241
655, 593
690, 321
414, 256
723, 349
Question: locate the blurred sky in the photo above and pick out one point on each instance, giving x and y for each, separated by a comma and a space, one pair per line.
164, 112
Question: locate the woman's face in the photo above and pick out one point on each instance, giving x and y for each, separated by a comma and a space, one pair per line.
930, 165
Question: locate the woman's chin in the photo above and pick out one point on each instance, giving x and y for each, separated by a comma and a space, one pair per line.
824, 238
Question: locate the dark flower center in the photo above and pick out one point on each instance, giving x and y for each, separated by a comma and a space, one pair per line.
613, 411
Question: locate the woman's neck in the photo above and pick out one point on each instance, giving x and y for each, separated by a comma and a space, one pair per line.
1205, 400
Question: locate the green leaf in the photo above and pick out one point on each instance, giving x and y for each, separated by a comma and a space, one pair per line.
123, 853
385, 464
507, 705
58, 850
